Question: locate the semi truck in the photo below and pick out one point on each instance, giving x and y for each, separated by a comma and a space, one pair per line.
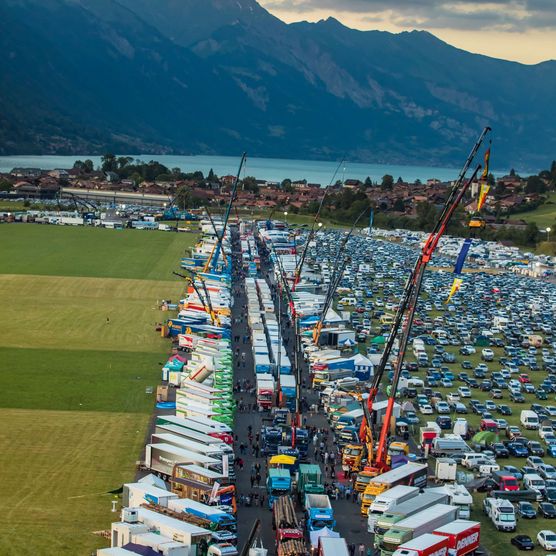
278, 483
463, 536
425, 521
289, 533
411, 474
389, 500
319, 512
309, 480
196, 426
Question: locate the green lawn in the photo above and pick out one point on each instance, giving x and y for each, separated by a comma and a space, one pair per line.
73, 400
544, 216
97, 252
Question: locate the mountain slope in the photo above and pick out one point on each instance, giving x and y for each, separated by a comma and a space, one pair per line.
221, 76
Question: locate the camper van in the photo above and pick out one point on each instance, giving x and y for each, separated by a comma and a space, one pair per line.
529, 419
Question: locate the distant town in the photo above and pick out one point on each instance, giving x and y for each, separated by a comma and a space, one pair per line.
396, 202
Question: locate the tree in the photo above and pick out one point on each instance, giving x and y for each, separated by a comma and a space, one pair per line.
387, 182
399, 205
250, 184
400, 180
490, 180
109, 163
164, 177
123, 161
512, 172
88, 166
553, 171
183, 197
535, 185
368, 182
531, 233
212, 177
5, 185
500, 189
418, 182
287, 186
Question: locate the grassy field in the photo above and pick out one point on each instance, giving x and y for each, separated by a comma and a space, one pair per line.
73, 399
543, 216
95, 252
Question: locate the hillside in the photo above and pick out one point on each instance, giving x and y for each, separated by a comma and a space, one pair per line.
220, 76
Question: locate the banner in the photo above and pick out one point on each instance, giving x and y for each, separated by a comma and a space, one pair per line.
485, 188
455, 288
214, 491
462, 256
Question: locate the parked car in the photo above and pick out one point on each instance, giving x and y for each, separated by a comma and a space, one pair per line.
522, 542
547, 539
526, 510
547, 510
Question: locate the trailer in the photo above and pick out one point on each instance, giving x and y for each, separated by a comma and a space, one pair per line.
389, 500
289, 533
161, 458
332, 546
464, 537
425, 545
319, 512
388, 519
423, 522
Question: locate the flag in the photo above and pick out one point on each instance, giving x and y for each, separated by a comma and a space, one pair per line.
371, 219
485, 188
487, 163
455, 288
462, 256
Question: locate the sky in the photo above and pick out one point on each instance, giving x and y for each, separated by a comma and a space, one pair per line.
520, 30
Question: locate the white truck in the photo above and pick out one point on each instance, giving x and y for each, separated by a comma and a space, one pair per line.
388, 501
458, 496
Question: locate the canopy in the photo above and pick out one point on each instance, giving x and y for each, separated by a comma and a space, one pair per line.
378, 340
282, 459
324, 532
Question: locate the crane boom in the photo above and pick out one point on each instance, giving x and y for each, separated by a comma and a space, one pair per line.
408, 303
216, 253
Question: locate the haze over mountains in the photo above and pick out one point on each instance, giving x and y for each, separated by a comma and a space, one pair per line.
223, 76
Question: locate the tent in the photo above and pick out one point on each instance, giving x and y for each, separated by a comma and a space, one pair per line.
324, 532
282, 459
378, 340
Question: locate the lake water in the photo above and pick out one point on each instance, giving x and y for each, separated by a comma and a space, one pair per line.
272, 169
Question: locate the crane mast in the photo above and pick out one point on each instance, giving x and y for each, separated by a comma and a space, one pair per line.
407, 307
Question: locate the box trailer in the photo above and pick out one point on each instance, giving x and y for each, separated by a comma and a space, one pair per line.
425, 545
463, 536
162, 458
389, 500
416, 525
136, 494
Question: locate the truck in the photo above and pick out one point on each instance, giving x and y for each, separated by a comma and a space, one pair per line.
463, 536
319, 512
289, 533
331, 546
411, 474
506, 482
278, 483
265, 391
425, 545
449, 446
388, 501
196, 426
501, 513
161, 458
458, 496
219, 519
309, 480
416, 525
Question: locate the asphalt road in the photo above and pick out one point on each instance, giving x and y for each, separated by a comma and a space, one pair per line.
350, 523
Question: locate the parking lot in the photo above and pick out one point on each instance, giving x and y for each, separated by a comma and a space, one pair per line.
485, 357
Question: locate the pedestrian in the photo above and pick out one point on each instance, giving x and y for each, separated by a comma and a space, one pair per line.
361, 549
258, 479
257, 450
240, 463
315, 440
326, 455
351, 549
252, 479
242, 448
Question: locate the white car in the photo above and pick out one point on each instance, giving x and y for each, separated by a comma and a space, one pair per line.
452, 398
534, 461
464, 392
544, 430
551, 410
487, 354
426, 409
547, 539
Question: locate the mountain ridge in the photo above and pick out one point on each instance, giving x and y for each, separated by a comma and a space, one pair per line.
220, 76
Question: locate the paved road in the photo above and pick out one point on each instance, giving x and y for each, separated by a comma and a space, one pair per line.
350, 524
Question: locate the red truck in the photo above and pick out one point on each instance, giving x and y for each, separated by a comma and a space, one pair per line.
463, 536
506, 481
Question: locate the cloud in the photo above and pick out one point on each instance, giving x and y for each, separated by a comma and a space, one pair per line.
498, 15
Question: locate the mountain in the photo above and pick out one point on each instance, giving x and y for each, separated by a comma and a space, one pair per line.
222, 76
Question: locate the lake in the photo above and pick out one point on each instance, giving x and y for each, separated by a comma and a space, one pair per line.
271, 169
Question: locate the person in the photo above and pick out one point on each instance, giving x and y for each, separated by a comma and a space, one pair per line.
351, 549
361, 549
258, 479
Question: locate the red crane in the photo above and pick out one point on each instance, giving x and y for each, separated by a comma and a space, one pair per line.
406, 309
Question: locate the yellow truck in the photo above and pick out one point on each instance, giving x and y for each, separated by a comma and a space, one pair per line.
352, 457
409, 474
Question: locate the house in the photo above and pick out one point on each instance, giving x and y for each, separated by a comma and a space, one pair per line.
26, 189
111, 177
29, 173
59, 174
352, 184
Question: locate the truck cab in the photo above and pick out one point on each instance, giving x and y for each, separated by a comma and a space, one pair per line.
352, 456
278, 483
